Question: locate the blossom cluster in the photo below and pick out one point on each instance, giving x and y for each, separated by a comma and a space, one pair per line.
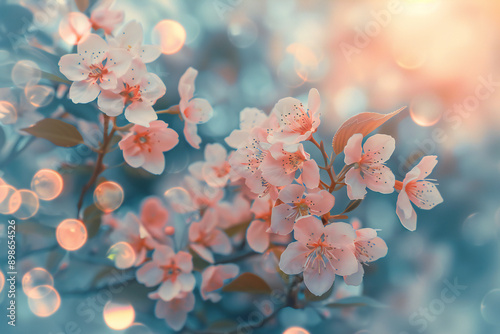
261, 191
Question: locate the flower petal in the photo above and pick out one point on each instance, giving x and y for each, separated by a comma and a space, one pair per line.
356, 187
353, 150
84, 91
319, 279
294, 257
257, 236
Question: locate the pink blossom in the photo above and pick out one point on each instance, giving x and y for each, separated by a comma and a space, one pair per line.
296, 122
174, 311
194, 111
144, 147
173, 271
298, 203
320, 252
418, 189
235, 212
215, 170
367, 247
279, 167
74, 27
130, 230
368, 168
136, 92
249, 119
205, 238
213, 278
95, 67
130, 38
258, 233
154, 217
103, 17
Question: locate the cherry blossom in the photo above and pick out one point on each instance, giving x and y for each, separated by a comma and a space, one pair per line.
258, 233
93, 68
249, 119
103, 17
174, 311
213, 278
368, 168
418, 189
132, 231
172, 270
130, 39
144, 147
194, 111
367, 247
155, 219
298, 203
296, 122
279, 167
205, 238
136, 92
320, 252
215, 170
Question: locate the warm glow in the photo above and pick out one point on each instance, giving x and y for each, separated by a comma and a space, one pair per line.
122, 254
10, 199
108, 196
47, 184
2, 281
29, 204
171, 36
44, 301
74, 27
34, 278
426, 110
295, 330
8, 113
71, 234
118, 316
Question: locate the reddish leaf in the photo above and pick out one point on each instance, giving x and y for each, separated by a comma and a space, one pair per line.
58, 132
82, 5
248, 282
363, 123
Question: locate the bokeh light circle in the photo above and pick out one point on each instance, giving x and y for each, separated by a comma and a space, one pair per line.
71, 234
24, 72
2, 281
490, 307
118, 316
122, 254
34, 278
47, 184
8, 113
138, 328
10, 199
170, 35
39, 95
477, 229
295, 330
44, 301
29, 204
426, 110
179, 199
108, 196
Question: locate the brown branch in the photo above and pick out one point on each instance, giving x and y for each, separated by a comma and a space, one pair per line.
328, 165
99, 166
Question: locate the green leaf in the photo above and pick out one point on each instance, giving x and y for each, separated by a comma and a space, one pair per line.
56, 131
248, 282
357, 301
174, 110
92, 218
352, 205
236, 229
